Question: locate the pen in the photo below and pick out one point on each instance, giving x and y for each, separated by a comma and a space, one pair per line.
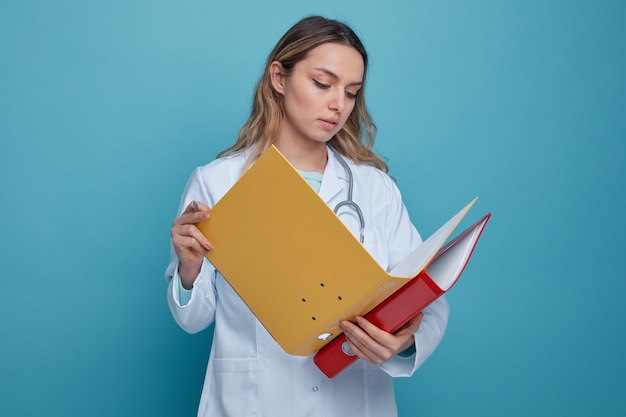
195, 205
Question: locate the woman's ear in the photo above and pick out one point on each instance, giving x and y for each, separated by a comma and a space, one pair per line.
277, 77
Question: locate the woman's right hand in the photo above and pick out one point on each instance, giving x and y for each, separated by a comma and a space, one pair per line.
189, 243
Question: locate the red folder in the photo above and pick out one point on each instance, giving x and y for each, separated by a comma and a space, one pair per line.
437, 278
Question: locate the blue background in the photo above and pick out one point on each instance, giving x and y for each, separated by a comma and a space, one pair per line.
105, 108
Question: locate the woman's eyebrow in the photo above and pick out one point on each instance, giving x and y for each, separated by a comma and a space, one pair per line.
336, 77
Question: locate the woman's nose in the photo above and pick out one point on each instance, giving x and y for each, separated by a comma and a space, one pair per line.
338, 101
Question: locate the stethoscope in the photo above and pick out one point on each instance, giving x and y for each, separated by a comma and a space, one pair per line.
349, 202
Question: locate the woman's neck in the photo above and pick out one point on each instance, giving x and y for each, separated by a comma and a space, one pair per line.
311, 157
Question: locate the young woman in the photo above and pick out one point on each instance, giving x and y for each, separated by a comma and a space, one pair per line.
309, 103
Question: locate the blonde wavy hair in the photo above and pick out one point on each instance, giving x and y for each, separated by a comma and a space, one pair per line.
355, 140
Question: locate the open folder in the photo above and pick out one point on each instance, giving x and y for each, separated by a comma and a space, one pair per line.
294, 263
430, 283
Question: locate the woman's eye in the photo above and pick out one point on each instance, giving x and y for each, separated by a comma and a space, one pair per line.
320, 85
351, 96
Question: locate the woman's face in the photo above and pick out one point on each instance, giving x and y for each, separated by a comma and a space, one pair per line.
319, 94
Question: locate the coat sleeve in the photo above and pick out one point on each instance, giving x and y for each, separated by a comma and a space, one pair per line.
402, 237
199, 312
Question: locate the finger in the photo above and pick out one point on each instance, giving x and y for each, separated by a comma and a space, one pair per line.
193, 217
198, 206
365, 352
195, 206
363, 345
373, 331
412, 325
355, 349
405, 336
191, 207
379, 345
353, 342
183, 231
392, 343
189, 249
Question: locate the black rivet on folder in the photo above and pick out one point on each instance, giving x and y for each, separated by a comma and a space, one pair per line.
339, 298
304, 300
313, 317
322, 284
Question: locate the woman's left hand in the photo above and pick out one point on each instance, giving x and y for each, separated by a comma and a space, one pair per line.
376, 346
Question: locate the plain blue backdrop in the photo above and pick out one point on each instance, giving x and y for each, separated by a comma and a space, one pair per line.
107, 106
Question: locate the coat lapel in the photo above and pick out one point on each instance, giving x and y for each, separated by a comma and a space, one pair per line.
335, 178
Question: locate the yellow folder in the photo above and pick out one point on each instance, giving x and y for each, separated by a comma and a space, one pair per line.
292, 260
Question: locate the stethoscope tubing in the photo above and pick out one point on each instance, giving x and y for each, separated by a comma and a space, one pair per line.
349, 202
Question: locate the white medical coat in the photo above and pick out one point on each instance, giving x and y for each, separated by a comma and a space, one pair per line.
248, 374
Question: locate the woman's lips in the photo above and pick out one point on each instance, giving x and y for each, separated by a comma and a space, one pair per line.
329, 124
